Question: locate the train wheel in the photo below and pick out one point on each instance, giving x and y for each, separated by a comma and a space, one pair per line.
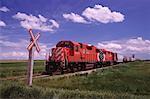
83, 67
79, 68
48, 69
62, 67
99, 65
94, 66
72, 69
111, 63
49, 72
61, 70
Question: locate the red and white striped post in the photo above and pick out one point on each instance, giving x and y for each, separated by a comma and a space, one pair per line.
33, 43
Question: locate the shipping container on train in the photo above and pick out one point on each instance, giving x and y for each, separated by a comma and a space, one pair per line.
70, 56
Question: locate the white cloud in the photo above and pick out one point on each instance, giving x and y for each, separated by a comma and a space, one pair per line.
43, 19
38, 23
18, 50
14, 55
110, 45
2, 23
98, 13
74, 18
21, 44
129, 46
4, 9
55, 24
102, 14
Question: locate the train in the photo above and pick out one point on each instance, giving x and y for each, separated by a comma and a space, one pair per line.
70, 56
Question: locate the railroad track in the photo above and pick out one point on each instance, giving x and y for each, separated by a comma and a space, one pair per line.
35, 76
78, 73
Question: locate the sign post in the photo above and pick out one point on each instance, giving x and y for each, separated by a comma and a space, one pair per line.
33, 43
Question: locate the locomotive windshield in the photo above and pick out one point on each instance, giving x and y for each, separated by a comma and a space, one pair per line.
66, 44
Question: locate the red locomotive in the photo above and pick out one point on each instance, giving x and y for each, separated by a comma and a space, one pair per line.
72, 56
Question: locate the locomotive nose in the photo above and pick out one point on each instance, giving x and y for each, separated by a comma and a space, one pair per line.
58, 54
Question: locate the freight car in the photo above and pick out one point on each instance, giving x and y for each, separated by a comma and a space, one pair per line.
70, 56
128, 58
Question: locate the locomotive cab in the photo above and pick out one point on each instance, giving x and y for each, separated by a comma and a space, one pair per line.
67, 44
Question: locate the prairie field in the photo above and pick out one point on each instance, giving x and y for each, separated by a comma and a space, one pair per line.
19, 68
125, 80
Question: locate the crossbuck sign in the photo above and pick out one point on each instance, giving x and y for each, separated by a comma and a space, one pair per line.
33, 43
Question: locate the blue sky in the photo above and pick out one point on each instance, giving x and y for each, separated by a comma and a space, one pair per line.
121, 26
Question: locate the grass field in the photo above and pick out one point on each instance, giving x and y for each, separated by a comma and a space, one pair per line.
18, 68
130, 80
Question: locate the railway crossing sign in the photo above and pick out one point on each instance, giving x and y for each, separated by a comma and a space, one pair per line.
33, 43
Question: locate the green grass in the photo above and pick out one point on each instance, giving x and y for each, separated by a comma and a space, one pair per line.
20, 91
11, 69
125, 81
131, 78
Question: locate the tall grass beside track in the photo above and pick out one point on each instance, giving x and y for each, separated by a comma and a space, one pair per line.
20, 91
132, 78
18, 68
127, 81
